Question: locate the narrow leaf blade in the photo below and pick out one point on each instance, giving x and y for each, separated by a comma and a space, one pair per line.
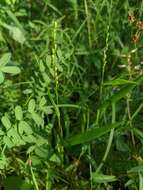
89, 135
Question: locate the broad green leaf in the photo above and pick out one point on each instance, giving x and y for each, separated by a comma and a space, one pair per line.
7, 141
35, 161
121, 93
46, 77
59, 67
10, 1
117, 96
17, 34
16, 183
11, 69
41, 67
136, 169
30, 149
5, 59
6, 122
55, 158
89, 135
40, 140
41, 152
100, 178
24, 127
119, 82
18, 113
1, 77
38, 120
15, 137
31, 106
42, 102
1, 132
29, 139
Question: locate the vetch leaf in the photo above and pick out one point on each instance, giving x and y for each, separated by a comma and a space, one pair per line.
15, 137
29, 139
24, 127
38, 120
17, 34
6, 122
42, 102
18, 113
5, 59
89, 135
11, 69
100, 178
55, 158
1, 77
31, 106
7, 141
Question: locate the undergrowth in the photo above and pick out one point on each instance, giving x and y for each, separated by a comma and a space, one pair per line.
71, 76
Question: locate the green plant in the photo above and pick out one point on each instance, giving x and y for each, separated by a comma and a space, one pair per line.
71, 94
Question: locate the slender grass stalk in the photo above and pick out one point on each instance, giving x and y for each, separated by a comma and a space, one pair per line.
89, 153
130, 118
75, 7
54, 58
104, 60
88, 23
105, 50
54, 62
129, 68
109, 141
33, 178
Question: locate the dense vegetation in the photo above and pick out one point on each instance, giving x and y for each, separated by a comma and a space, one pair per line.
71, 74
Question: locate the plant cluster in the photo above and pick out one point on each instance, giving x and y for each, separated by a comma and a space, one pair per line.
71, 95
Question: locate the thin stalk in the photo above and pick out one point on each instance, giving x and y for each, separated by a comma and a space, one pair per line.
89, 151
88, 23
34, 179
109, 140
104, 61
130, 119
129, 68
54, 62
105, 51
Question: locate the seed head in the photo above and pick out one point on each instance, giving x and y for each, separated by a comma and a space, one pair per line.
135, 38
131, 18
140, 25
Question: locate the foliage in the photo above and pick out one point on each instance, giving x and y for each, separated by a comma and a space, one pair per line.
71, 94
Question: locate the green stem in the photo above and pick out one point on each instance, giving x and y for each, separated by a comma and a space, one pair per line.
109, 141
34, 179
88, 23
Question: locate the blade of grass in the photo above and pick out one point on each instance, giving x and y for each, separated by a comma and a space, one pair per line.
89, 135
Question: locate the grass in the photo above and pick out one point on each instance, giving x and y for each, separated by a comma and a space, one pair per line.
71, 95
